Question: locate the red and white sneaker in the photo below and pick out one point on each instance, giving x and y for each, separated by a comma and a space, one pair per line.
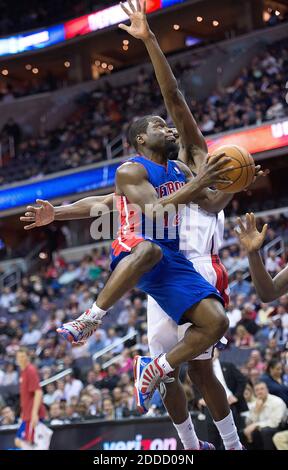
79, 330
147, 375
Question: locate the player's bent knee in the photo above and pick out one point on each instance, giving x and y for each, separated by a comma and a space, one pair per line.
148, 255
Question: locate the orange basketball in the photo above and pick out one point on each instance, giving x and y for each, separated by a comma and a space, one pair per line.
243, 172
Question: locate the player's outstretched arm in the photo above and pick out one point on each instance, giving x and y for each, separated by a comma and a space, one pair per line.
44, 213
251, 239
176, 105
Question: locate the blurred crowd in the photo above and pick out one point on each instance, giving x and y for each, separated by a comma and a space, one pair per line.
257, 96
101, 382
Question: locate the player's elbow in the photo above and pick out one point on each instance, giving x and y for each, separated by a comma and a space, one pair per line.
267, 297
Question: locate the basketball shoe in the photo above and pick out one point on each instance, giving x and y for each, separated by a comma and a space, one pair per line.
79, 330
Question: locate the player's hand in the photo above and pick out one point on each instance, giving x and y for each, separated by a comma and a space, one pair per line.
214, 170
250, 238
232, 399
139, 27
259, 173
40, 215
34, 420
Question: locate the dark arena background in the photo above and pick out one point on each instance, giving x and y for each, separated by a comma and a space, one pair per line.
71, 82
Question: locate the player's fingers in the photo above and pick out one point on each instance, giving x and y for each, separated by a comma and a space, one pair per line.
144, 7
130, 3
248, 221
241, 225
27, 219
41, 202
138, 6
29, 227
31, 209
216, 158
128, 13
264, 231
220, 163
124, 27
225, 181
253, 220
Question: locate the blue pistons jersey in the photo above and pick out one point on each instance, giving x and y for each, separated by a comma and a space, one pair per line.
173, 282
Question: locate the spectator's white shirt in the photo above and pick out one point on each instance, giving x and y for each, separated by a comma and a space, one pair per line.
31, 337
228, 262
272, 265
10, 378
284, 321
207, 126
6, 300
2, 375
219, 374
272, 413
50, 398
275, 111
72, 389
234, 317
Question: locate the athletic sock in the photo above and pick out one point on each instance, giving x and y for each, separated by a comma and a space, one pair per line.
228, 433
162, 361
187, 435
96, 312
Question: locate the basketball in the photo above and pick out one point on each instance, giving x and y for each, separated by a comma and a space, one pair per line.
243, 172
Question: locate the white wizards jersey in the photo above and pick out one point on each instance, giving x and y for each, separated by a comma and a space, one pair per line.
201, 232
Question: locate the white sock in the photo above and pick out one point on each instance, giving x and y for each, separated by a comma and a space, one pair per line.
97, 313
187, 435
165, 364
228, 432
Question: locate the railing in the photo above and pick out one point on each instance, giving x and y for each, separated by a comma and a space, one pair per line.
278, 241
95, 356
114, 345
116, 147
10, 278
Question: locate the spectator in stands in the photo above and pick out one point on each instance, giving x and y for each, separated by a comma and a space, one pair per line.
7, 416
108, 409
243, 339
241, 286
72, 387
264, 418
280, 440
274, 381
272, 263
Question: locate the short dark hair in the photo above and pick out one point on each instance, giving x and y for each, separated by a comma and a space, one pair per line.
136, 128
24, 349
272, 364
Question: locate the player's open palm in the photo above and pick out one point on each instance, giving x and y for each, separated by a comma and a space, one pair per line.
139, 27
37, 216
250, 238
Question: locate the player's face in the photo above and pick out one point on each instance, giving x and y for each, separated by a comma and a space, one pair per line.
22, 359
158, 135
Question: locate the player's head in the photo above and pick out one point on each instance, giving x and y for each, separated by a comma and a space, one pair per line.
22, 357
151, 134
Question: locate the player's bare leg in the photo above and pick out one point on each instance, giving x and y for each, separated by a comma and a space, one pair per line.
209, 324
124, 277
176, 405
128, 272
202, 375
